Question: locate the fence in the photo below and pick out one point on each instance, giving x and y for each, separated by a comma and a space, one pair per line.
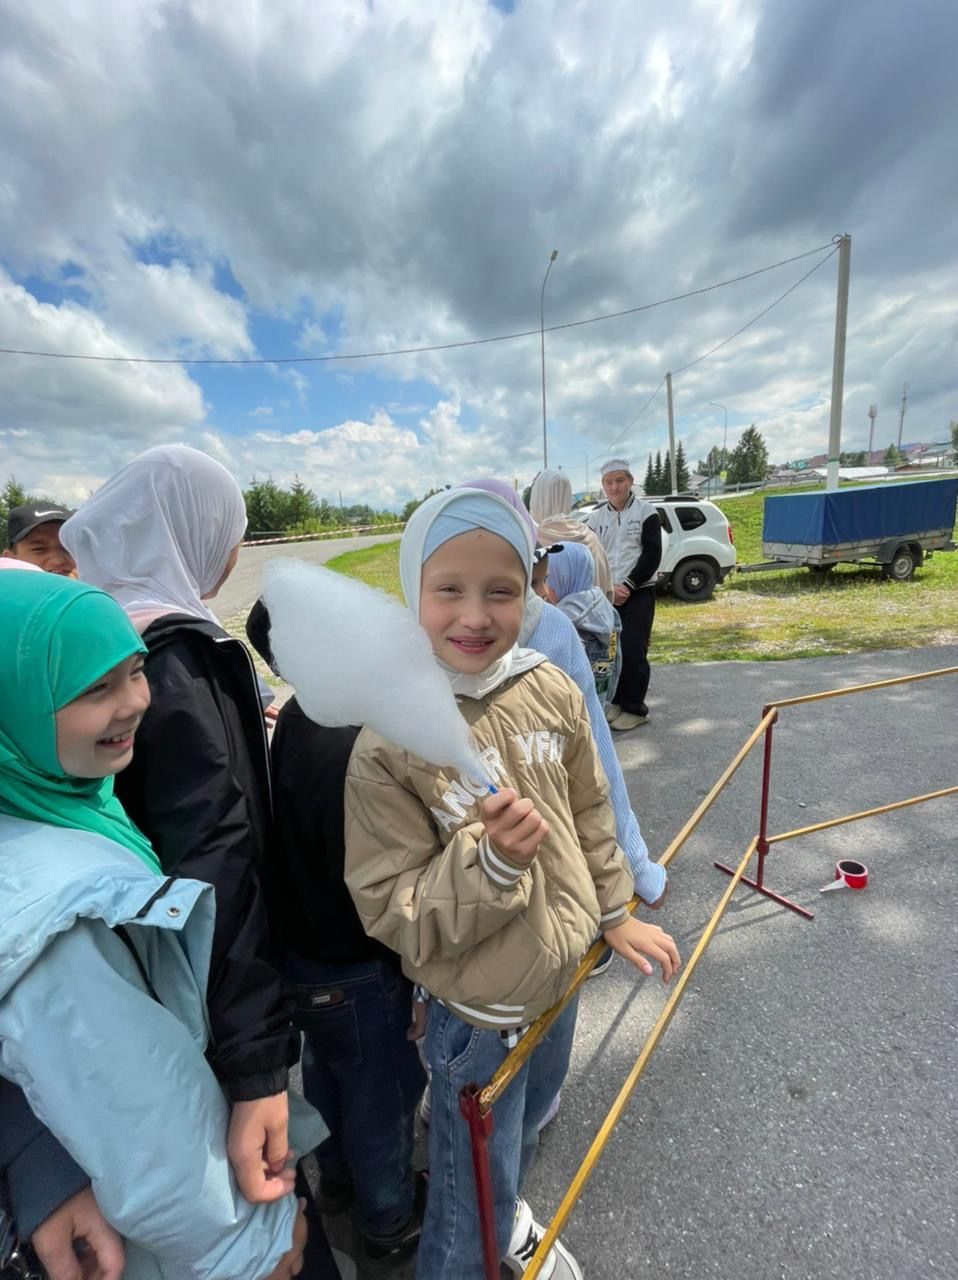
476, 1102
266, 539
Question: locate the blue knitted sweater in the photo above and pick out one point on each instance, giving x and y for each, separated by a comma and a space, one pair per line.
554, 635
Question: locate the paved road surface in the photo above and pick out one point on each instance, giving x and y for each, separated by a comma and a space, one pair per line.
799, 1120
243, 586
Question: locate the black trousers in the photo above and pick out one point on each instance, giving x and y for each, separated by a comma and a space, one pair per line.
637, 615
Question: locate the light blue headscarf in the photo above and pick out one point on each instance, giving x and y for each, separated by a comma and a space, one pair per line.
571, 577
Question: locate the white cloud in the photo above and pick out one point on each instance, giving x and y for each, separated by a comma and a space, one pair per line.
406, 168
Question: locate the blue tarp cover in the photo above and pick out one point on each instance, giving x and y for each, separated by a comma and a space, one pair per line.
862, 514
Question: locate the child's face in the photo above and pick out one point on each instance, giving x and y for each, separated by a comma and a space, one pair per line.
472, 598
540, 580
95, 731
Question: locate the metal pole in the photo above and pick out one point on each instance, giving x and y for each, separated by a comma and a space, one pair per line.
542, 352
838, 362
901, 413
672, 477
872, 414
480, 1127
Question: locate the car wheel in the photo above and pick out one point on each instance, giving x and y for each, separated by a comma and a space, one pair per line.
901, 567
694, 580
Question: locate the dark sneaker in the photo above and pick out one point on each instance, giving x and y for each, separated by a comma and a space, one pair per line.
526, 1234
334, 1195
378, 1256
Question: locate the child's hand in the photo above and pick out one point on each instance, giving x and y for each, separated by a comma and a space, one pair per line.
515, 827
636, 940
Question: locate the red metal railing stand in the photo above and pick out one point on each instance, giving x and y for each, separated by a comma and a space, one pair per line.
761, 846
480, 1127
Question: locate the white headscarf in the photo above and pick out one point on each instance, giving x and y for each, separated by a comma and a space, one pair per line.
157, 536
551, 496
441, 518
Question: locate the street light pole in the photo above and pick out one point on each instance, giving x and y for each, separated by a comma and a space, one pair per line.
586, 456
716, 405
542, 350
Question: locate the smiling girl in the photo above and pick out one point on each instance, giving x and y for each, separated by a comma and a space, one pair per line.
103, 962
491, 900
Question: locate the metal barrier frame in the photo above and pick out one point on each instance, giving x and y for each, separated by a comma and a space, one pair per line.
476, 1102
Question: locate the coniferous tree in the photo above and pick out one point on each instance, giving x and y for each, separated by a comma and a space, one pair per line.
749, 459
667, 472
659, 474
681, 469
649, 485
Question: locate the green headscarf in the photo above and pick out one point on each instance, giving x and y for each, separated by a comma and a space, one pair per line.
57, 637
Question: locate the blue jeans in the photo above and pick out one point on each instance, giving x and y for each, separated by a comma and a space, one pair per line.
459, 1054
365, 1079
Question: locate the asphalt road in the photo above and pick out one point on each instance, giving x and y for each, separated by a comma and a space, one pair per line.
243, 586
799, 1120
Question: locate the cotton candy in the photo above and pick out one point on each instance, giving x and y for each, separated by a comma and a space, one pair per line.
356, 656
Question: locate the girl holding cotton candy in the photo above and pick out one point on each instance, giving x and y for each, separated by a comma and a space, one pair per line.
490, 899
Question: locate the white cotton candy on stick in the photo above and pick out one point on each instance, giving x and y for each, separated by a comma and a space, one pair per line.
356, 656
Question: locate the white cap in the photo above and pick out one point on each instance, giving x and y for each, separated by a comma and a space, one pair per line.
617, 464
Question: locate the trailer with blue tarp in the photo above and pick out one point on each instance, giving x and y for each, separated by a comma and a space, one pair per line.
895, 526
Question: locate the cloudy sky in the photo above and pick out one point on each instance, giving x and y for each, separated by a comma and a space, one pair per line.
290, 178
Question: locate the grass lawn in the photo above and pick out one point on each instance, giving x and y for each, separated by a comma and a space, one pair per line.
771, 615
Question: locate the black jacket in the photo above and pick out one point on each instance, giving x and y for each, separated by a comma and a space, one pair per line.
36, 1175
312, 905
199, 788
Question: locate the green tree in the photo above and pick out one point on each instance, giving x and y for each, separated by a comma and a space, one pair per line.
267, 507
649, 484
681, 469
667, 473
749, 459
302, 508
714, 463
953, 428
892, 456
659, 476
414, 503
853, 459
12, 495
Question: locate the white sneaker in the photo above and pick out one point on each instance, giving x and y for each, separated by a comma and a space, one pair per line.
425, 1105
612, 712
526, 1234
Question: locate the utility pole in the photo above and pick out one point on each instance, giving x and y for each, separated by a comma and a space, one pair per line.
873, 414
542, 350
668, 388
838, 362
901, 413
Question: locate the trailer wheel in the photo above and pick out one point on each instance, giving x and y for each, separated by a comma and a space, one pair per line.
901, 567
821, 568
694, 580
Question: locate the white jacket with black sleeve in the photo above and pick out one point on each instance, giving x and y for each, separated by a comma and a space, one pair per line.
632, 539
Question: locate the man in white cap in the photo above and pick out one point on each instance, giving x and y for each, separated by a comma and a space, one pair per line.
630, 532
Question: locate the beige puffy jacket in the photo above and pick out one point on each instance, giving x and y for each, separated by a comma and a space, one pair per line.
496, 941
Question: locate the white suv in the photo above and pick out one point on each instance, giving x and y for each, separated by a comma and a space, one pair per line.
697, 547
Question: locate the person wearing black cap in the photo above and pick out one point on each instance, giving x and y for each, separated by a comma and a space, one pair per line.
33, 536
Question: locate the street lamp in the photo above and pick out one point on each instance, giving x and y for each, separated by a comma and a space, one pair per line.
715, 405
542, 349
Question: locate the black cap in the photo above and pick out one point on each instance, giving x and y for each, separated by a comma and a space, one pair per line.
23, 520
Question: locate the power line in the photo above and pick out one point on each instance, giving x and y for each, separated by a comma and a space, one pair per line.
407, 351
755, 319
724, 343
611, 446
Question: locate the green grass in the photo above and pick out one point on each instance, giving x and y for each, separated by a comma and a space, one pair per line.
768, 616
